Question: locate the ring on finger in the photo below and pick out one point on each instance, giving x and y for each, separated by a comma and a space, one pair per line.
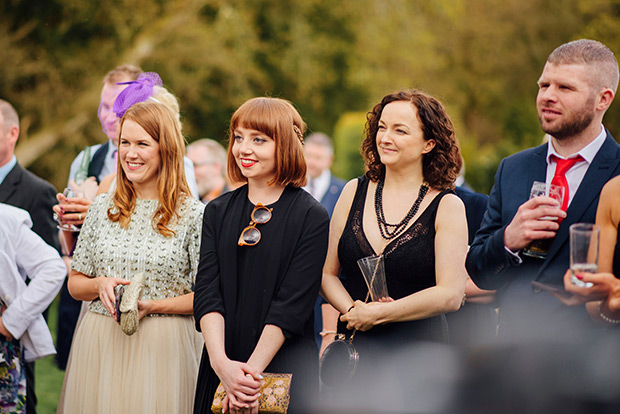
80, 216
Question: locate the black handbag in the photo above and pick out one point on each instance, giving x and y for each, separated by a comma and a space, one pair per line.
338, 361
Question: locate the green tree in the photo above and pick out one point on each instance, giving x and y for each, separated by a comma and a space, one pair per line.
348, 136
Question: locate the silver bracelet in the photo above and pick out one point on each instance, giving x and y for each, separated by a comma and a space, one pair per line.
605, 317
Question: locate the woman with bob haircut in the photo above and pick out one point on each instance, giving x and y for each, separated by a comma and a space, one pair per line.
404, 209
263, 247
148, 224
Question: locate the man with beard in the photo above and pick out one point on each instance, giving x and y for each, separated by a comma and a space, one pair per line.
577, 85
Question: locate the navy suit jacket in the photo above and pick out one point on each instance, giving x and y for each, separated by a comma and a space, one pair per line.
331, 196
492, 267
475, 207
23, 189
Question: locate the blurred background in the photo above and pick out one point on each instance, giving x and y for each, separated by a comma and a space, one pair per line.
333, 59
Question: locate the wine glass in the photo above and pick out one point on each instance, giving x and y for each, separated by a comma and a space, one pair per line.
68, 193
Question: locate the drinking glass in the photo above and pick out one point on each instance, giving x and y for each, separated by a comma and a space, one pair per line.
584, 240
69, 234
373, 270
540, 248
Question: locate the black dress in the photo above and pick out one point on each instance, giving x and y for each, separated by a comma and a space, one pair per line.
616, 260
274, 282
409, 267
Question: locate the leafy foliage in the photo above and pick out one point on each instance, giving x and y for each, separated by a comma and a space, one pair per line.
348, 137
328, 58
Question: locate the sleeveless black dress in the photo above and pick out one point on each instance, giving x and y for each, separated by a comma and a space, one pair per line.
616, 262
409, 267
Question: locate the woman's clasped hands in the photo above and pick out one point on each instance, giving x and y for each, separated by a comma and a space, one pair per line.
242, 384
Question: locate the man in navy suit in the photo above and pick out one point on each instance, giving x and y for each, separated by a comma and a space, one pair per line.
323, 186
577, 85
326, 188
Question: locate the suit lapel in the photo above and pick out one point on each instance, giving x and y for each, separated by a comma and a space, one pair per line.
599, 172
538, 170
10, 183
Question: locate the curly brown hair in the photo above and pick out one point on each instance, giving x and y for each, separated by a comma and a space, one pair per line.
441, 166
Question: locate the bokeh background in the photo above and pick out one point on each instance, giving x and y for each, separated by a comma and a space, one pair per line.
333, 59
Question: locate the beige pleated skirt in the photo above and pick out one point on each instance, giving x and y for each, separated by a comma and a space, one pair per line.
152, 371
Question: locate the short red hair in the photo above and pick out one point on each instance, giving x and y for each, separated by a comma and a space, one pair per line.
279, 120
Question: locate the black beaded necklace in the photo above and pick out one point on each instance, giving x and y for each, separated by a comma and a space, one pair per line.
389, 231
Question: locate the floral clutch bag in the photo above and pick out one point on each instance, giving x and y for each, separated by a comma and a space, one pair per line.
274, 399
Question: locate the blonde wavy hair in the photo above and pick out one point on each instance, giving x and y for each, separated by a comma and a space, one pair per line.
159, 121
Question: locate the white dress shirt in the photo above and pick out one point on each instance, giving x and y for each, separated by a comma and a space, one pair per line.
319, 185
575, 175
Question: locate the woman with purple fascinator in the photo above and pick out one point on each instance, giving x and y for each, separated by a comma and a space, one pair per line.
136, 349
148, 87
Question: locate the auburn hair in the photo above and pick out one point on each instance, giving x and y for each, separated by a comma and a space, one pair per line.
278, 119
161, 124
440, 166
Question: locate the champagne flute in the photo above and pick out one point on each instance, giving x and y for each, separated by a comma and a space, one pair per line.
69, 193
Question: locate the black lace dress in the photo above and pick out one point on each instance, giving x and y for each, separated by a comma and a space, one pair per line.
409, 267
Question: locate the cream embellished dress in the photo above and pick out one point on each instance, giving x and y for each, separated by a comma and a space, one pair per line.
155, 369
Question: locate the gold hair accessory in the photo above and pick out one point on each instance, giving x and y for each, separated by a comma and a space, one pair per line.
300, 136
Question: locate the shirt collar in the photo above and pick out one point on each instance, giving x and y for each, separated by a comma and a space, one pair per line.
111, 149
587, 153
324, 178
6, 168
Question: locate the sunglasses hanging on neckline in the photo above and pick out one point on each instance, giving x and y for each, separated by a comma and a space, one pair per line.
250, 236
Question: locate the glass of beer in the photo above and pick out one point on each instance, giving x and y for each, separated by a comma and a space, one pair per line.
540, 248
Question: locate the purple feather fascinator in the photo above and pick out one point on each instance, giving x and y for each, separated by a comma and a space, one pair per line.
136, 91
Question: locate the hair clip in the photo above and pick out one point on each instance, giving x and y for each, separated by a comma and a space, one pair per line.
297, 131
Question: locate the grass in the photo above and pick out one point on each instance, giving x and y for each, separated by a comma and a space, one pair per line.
48, 378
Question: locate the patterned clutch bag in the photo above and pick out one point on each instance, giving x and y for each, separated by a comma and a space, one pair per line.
274, 399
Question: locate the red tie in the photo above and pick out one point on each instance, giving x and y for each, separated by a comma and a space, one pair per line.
562, 166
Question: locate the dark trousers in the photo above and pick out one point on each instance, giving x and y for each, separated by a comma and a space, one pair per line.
31, 398
68, 313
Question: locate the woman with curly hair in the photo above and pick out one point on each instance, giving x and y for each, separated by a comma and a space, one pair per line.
404, 209
146, 228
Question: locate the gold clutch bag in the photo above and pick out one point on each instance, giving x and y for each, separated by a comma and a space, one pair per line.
274, 399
